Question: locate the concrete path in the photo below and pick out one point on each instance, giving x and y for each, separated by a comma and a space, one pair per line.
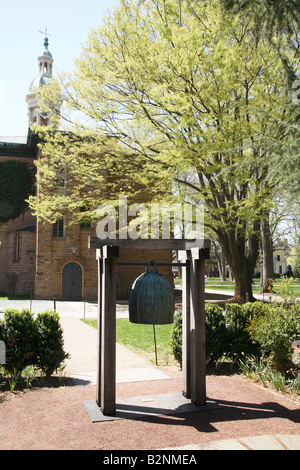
267, 442
80, 341
74, 309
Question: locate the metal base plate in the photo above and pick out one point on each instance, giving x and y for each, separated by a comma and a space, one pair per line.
147, 405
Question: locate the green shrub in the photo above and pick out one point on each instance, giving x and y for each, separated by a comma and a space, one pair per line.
176, 337
18, 333
216, 333
254, 308
32, 342
251, 329
50, 352
275, 330
237, 318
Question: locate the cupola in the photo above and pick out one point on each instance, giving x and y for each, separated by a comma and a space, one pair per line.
45, 65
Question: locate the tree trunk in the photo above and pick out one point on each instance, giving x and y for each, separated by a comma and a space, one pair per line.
242, 261
220, 261
267, 274
243, 282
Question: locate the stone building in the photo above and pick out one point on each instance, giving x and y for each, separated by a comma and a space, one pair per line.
52, 260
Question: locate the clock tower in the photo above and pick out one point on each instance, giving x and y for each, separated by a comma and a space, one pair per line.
45, 65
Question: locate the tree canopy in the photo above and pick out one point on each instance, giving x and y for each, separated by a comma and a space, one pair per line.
182, 96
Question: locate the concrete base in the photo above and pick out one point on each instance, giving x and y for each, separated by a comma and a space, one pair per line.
147, 405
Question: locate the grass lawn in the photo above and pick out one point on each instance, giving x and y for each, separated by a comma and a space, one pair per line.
141, 338
215, 283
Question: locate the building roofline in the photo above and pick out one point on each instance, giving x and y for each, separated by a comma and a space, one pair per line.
8, 148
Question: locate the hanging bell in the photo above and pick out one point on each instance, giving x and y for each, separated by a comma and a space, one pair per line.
151, 299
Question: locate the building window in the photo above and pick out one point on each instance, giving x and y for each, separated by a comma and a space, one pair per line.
58, 229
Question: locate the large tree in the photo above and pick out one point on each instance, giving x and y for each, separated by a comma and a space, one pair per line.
279, 22
186, 90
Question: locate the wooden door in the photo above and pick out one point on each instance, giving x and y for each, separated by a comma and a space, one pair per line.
72, 282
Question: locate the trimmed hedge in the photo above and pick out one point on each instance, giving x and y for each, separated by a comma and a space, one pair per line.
32, 341
275, 329
226, 332
238, 319
216, 333
250, 329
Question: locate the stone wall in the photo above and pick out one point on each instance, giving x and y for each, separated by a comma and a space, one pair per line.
54, 253
17, 255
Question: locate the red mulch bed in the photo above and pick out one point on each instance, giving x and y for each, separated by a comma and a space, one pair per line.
54, 418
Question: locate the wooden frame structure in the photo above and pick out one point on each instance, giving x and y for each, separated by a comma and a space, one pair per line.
192, 255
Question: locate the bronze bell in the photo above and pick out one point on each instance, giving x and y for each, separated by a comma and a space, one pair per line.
151, 300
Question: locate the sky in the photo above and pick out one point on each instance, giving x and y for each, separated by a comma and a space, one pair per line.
68, 23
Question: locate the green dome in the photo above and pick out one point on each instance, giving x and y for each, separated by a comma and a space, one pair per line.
39, 81
45, 51
45, 69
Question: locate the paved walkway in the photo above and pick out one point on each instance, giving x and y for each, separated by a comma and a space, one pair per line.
80, 340
74, 309
267, 442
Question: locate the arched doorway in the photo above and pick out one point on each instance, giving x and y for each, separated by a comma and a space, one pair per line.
72, 282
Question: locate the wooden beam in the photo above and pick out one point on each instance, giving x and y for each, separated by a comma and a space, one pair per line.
155, 244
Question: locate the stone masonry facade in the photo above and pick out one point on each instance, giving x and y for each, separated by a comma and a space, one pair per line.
32, 260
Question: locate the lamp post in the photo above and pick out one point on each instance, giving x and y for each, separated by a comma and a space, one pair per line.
73, 249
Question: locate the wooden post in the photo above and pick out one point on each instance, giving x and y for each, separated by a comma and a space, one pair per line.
197, 331
99, 258
184, 257
106, 393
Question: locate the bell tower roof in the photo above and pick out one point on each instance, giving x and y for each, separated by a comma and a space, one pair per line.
45, 51
45, 62
44, 76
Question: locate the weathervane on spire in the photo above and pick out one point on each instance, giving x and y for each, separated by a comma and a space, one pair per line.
46, 41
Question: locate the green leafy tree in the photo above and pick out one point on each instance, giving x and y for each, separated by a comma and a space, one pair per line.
279, 22
270, 18
193, 99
